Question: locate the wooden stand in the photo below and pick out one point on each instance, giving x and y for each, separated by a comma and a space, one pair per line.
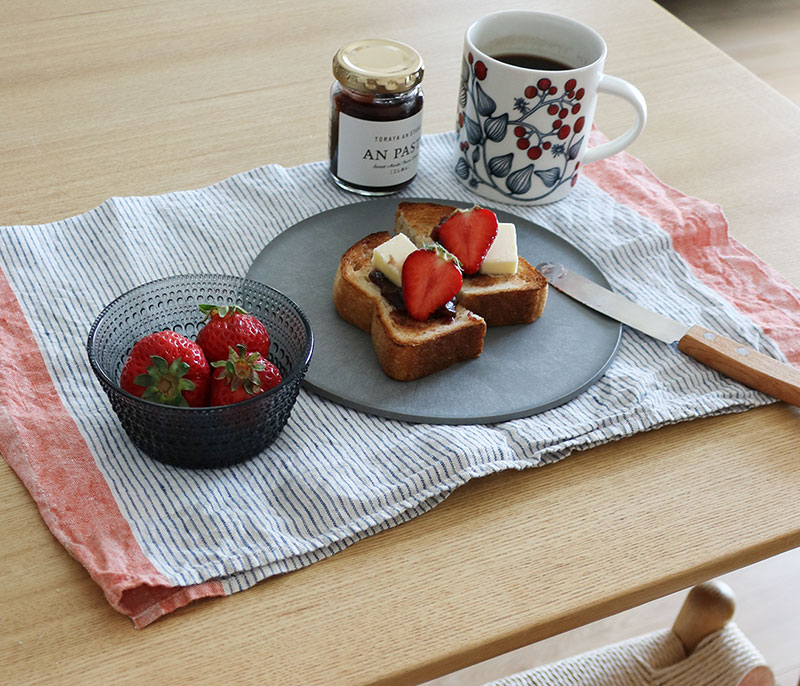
708, 608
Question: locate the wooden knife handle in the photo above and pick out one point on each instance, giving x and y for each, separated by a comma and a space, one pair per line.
743, 363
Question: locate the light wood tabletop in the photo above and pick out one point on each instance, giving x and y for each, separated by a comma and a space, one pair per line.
131, 98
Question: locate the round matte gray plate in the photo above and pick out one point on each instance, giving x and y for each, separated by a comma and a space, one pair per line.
523, 369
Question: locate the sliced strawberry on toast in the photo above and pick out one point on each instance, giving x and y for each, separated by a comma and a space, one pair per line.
469, 234
431, 279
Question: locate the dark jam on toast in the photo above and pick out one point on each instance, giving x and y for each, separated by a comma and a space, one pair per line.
394, 296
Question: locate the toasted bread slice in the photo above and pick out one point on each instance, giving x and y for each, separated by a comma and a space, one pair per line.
506, 299
500, 299
417, 220
406, 349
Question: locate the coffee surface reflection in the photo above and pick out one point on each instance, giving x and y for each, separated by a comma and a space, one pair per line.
528, 61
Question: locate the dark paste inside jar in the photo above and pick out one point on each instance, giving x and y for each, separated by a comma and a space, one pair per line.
394, 296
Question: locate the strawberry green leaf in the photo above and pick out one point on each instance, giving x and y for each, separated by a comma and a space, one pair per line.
160, 364
144, 380
164, 383
221, 310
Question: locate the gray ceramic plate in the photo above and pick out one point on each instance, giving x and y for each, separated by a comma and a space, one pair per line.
523, 369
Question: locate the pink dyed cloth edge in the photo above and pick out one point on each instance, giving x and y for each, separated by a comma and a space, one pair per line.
46, 462
700, 234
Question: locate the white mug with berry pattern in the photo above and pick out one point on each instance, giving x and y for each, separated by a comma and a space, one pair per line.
529, 85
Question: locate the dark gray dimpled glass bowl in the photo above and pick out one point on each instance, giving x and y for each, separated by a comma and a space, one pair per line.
200, 437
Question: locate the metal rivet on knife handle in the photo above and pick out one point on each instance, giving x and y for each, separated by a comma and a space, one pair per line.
750, 367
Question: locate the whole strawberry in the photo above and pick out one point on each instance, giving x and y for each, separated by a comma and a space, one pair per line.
242, 376
229, 326
168, 368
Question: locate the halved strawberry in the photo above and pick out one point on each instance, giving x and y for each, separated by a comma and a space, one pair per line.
430, 279
469, 234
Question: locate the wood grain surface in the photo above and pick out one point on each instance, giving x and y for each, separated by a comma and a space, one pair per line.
743, 363
113, 98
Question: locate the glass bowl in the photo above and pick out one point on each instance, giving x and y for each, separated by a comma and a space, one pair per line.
200, 437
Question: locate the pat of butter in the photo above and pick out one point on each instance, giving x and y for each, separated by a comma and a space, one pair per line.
388, 257
502, 256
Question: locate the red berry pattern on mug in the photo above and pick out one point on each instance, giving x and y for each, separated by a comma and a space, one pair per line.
546, 158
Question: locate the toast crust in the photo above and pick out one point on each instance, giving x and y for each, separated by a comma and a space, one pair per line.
418, 219
354, 295
501, 300
406, 349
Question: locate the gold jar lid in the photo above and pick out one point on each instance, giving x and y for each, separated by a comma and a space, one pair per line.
376, 65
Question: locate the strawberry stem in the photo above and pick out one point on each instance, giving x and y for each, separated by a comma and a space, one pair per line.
241, 369
444, 253
164, 383
221, 310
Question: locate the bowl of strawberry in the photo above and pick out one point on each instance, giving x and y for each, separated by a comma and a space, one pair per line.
201, 370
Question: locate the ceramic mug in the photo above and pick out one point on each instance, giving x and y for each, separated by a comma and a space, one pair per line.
529, 86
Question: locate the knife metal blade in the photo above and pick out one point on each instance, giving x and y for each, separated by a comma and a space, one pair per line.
736, 360
612, 304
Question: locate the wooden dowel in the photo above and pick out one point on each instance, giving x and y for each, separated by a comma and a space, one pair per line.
708, 607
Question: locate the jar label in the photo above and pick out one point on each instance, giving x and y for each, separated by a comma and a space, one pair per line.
378, 153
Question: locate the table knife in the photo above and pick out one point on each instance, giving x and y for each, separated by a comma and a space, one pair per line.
736, 360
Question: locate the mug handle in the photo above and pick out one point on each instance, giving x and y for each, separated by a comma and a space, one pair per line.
614, 86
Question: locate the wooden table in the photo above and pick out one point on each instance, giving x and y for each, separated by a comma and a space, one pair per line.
112, 98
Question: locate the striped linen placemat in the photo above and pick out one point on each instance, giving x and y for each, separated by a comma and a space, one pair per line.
155, 537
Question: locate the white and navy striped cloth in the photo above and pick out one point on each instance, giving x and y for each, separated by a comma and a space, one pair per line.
337, 475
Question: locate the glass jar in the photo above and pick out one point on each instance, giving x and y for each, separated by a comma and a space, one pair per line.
376, 116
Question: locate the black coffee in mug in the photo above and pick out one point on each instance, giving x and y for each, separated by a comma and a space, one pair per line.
528, 61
